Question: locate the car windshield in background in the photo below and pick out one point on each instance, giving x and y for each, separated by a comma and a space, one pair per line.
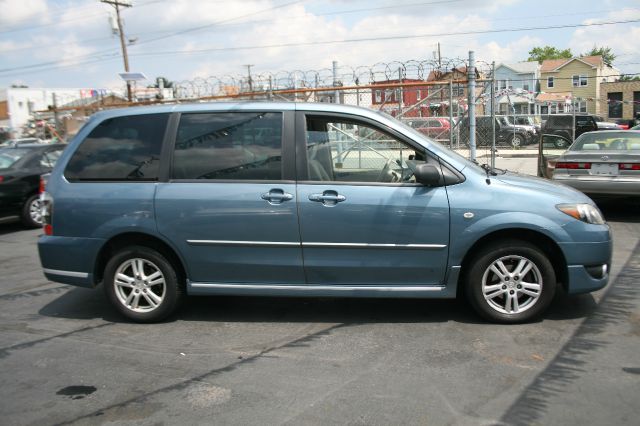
8, 157
609, 141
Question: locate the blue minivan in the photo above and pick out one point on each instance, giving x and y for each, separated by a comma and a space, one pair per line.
293, 199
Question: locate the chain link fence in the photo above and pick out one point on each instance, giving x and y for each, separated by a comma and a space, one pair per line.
434, 97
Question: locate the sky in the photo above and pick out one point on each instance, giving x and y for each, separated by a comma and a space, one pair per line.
69, 43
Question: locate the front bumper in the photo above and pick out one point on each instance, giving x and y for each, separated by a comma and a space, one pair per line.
579, 257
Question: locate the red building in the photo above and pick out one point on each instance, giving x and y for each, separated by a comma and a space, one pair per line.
394, 98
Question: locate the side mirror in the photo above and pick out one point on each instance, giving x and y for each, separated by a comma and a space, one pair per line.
428, 174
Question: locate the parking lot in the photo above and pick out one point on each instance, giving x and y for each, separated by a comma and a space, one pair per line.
67, 358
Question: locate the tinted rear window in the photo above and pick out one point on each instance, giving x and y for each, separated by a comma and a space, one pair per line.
120, 148
238, 146
9, 156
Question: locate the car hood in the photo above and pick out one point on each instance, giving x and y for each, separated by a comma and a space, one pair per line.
543, 185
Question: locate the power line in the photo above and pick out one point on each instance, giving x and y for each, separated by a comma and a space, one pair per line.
384, 38
329, 42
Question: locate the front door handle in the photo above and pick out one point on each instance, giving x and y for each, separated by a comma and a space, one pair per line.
276, 196
328, 198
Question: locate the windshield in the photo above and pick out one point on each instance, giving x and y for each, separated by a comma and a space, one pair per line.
8, 157
599, 141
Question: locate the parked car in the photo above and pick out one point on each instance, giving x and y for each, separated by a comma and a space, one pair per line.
21, 141
436, 128
20, 169
635, 127
507, 134
525, 121
604, 163
278, 199
562, 125
624, 124
606, 125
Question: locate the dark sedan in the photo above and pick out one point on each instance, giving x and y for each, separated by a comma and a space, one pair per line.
600, 163
20, 170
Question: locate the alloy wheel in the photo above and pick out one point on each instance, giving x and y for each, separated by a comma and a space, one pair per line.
139, 285
512, 284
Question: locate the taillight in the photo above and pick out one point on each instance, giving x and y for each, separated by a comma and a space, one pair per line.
1, 179
629, 166
573, 166
43, 183
46, 205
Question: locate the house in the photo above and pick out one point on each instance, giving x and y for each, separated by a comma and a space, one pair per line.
18, 105
393, 99
516, 85
574, 80
620, 100
459, 92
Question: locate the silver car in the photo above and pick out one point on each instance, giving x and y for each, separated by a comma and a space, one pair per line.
598, 163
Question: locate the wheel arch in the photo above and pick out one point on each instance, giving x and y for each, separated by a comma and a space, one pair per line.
120, 241
549, 247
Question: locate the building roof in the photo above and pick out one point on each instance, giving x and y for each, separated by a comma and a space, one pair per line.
521, 67
556, 97
555, 64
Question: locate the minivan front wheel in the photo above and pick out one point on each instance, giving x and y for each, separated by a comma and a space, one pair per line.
510, 282
32, 212
142, 284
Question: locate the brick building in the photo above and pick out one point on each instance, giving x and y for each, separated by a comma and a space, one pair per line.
620, 100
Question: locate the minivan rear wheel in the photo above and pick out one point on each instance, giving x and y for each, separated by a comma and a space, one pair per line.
510, 281
142, 284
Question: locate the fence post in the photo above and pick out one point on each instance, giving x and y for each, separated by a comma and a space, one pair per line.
471, 102
336, 92
493, 114
399, 92
56, 116
451, 114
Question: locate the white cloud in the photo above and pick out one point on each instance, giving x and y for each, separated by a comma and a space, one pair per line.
15, 12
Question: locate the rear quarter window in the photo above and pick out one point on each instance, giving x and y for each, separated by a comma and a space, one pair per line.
120, 149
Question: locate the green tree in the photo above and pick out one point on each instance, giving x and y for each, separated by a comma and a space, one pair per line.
539, 54
607, 55
629, 78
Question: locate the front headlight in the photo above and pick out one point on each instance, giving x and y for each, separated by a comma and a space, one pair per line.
584, 212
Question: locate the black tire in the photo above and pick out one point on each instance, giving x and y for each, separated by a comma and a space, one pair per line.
516, 141
171, 295
27, 216
510, 253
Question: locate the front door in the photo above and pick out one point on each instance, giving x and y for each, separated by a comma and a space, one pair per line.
363, 218
228, 205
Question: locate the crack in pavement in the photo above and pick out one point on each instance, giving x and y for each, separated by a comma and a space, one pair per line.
5, 352
295, 343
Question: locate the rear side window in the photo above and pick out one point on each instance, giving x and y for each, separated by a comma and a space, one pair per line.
120, 148
236, 146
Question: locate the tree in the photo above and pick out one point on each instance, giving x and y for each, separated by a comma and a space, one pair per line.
629, 78
168, 84
607, 55
539, 54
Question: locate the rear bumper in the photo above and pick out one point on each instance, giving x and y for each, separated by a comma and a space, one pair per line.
69, 260
616, 185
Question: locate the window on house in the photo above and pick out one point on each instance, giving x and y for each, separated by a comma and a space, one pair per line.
388, 95
378, 96
550, 82
525, 86
636, 104
579, 80
614, 100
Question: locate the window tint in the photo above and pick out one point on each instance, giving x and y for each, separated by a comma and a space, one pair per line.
348, 151
242, 145
120, 148
50, 158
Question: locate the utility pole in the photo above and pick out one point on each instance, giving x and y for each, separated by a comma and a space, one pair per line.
249, 81
117, 4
